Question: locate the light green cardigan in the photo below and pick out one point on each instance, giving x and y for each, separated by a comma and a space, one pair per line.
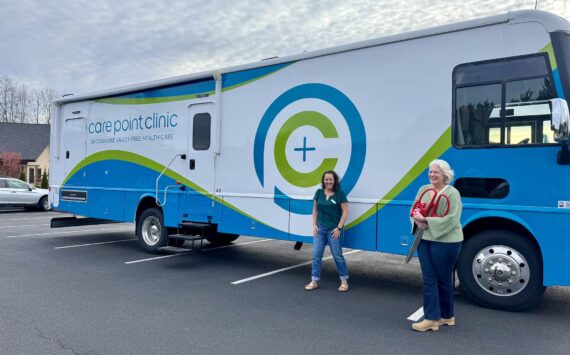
442, 229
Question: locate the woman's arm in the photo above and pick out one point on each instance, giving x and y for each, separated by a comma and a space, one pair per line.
315, 213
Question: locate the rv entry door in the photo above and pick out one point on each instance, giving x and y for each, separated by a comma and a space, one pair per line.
200, 163
73, 147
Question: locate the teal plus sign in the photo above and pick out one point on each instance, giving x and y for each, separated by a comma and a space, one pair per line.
304, 149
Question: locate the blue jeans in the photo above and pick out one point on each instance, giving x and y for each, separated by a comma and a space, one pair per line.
437, 261
324, 237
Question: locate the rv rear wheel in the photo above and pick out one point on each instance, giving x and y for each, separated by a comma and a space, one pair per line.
151, 232
221, 238
501, 269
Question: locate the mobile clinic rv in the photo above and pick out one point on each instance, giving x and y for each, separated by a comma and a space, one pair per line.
241, 150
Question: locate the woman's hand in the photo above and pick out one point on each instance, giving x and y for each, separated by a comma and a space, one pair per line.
420, 220
315, 230
335, 233
417, 216
421, 225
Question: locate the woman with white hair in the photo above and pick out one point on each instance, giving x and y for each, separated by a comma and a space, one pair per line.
440, 245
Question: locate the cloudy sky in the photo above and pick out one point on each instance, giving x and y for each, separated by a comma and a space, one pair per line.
77, 46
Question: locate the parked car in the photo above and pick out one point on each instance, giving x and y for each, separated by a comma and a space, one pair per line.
16, 193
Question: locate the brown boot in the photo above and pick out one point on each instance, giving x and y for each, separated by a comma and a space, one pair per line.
447, 321
426, 324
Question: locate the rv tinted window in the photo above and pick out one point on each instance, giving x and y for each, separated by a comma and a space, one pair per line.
528, 111
475, 107
482, 187
201, 131
502, 103
501, 70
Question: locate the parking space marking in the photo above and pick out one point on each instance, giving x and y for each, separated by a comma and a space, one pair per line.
414, 317
189, 250
285, 269
236, 245
86, 245
68, 232
25, 225
155, 258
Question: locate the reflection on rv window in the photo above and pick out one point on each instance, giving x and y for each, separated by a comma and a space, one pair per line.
474, 106
512, 110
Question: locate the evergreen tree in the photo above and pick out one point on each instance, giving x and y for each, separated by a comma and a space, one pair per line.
44, 184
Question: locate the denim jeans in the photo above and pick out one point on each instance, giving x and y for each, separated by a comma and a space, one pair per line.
437, 261
324, 237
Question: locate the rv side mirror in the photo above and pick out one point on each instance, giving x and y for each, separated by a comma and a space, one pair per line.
560, 120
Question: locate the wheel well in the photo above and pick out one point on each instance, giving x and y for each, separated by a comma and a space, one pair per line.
482, 224
144, 204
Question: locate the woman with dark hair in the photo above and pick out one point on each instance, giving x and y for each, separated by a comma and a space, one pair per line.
330, 211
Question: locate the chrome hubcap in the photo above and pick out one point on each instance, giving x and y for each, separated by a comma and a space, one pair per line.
501, 270
151, 230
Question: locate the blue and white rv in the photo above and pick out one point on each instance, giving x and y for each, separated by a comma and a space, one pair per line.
240, 150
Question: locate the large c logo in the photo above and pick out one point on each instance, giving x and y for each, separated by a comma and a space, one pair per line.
305, 118
316, 120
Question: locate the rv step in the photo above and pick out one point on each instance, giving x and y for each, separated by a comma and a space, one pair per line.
185, 237
196, 225
174, 250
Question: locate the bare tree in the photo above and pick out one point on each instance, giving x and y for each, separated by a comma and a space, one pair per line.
47, 96
21, 104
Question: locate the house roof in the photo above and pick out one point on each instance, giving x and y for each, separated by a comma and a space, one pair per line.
27, 139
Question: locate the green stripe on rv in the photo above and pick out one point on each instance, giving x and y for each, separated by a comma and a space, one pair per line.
440, 146
132, 158
150, 100
235, 86
153, 165
550, 51
156, 100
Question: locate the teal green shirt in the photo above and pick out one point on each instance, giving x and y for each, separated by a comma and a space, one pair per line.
443, 229
329, 211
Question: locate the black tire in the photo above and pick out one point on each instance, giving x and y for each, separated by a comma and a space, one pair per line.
501, 269
151, 232
43, 204
219, 239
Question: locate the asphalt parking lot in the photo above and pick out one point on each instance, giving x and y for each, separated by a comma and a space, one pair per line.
92, 290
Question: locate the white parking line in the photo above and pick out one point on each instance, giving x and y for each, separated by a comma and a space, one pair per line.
285, 269
169, 256
85, 245
155, 258
68, 232
235, 245
25, 225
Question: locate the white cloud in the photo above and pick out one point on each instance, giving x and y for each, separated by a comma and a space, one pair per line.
85, 45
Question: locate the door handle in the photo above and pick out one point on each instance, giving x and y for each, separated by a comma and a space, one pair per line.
192, 164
